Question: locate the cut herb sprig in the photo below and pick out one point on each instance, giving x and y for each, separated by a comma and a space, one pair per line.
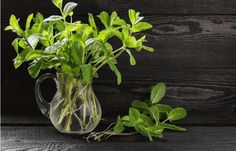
148, 118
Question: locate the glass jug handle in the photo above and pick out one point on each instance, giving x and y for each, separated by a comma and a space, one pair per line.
43, 105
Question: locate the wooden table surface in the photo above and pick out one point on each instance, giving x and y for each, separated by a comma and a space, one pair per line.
197, 138
195, 55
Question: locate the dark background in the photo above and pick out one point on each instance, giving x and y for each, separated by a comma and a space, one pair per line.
195, 55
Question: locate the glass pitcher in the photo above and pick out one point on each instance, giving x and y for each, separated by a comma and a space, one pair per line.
74, 109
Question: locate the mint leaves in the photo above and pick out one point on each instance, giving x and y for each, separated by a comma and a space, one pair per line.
148, 118
176, 114
69, 8
57, 3
76, 48
158, 92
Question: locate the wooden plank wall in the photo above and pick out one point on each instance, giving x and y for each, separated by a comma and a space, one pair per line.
195, 43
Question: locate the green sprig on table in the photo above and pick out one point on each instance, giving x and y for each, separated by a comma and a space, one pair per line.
148, 118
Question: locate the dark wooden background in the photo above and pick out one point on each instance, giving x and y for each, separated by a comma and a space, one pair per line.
195, 55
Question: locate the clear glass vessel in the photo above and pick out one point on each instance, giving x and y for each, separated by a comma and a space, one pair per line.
74, 109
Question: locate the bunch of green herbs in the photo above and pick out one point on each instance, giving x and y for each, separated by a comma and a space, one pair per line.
148, 118
76, 48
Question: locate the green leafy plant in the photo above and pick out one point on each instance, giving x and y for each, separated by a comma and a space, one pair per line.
75, 48
148, 118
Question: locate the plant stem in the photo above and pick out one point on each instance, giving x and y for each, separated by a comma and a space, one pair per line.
165, 120
27, 42
77, 102
117, 55
117, 50
95, 51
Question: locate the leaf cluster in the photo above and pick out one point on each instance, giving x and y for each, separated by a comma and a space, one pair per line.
148, 118
75, 48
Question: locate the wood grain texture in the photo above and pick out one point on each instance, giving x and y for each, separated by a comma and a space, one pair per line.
145, 6
47, 138
171, 6
208, 94
195, 57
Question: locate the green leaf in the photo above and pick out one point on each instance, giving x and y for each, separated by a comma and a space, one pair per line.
76, 70
115, 70
146, 120
142, 106
93, 24
155, 131
33, 54
119, 127
105, 51
72, 26
33, 41
143, 131
8, 28
154, 112
60, 26
131, 57
28, 21
134, 115
20, 58
91, 21
58, 3
34, 69
93, 45
171, 127
140, 26
132, 16
125, 33
15, 44
164, 108
113, 17
117, 33
140, 43
39, 17
36, 54
22, 44
143, 39
69, 8
66, 69
109, 47
150, 49
75, 55
130, 42
105, 18
105, 34
84, 32
53, 18
177, 114
45, 66
15, 25
126, 122
158, 92
87, 72
50, 34
90, 42
56, 46
119, 22
79, 40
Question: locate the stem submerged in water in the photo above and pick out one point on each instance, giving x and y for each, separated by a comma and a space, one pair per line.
79, 110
